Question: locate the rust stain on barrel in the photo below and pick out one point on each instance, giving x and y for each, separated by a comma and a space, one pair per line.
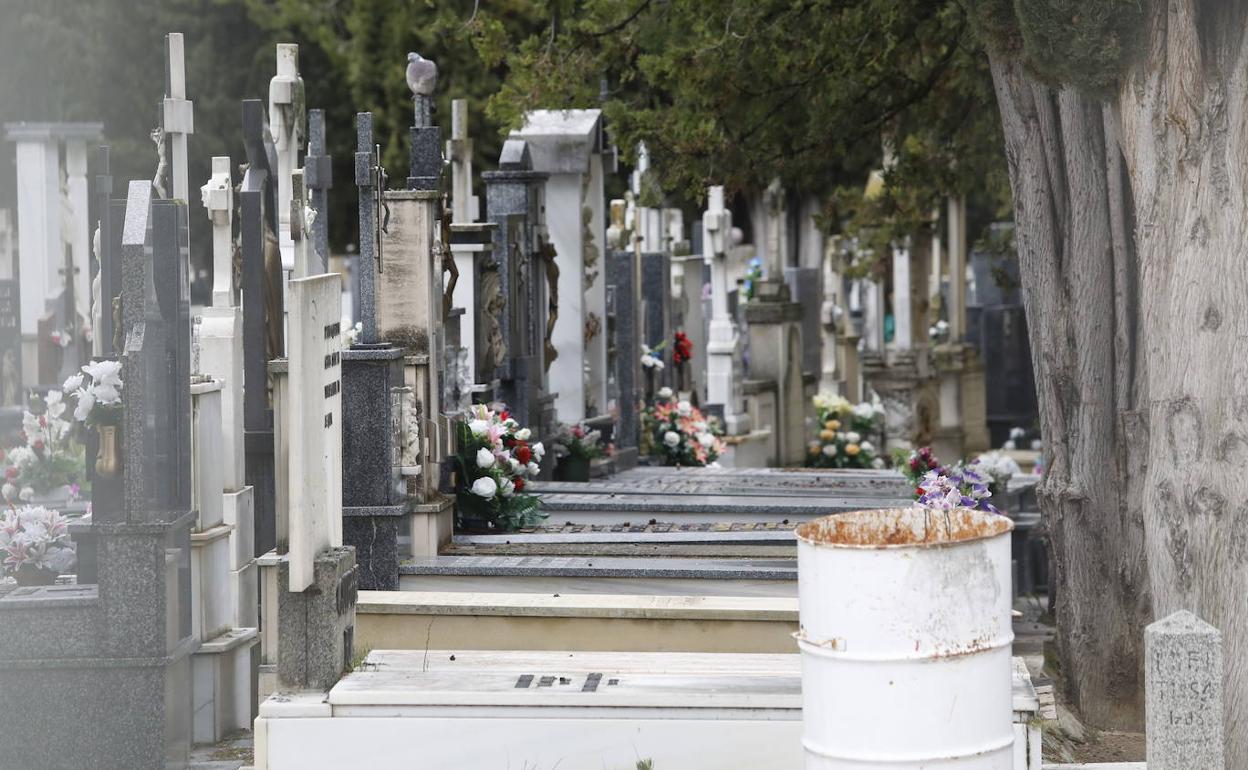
902, 527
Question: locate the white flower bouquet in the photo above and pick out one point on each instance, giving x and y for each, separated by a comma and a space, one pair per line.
35, 544
495, 461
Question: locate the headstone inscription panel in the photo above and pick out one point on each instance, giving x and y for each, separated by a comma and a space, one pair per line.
315, 428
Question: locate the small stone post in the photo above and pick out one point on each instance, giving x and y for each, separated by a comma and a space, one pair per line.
1183, 694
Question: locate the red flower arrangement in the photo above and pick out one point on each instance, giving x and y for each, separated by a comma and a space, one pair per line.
682, 349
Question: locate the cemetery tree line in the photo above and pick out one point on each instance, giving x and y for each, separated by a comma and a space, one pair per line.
1124, 129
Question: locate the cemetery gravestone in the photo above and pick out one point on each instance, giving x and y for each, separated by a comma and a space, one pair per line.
1183, 690
373, 498
514, 201
261, 285
318, 580
315, 422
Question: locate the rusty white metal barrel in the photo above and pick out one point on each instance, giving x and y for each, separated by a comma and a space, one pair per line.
905, 640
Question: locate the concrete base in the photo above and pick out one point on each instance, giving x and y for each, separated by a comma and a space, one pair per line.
576, 710
223, 685
317, 625
432, 525
747, 451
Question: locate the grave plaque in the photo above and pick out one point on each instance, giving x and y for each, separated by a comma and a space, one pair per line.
1183, 694
10, 345
315, 423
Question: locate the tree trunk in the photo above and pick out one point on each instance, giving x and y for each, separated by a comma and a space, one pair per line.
1132, 222
1077, 264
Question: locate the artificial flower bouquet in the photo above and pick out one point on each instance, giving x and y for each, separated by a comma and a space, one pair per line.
845, 432
999, 467
575, 447
35, 544
679, 434
49, 458
96, 393
964, 486
495, 461
915, 465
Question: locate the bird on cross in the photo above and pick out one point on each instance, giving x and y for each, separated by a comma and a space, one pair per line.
422, 75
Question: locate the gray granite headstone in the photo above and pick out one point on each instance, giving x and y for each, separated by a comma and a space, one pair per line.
1183, 694
262, 308
373, 500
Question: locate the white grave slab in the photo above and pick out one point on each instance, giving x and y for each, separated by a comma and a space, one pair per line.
314, 382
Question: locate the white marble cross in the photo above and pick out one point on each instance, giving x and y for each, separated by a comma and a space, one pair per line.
723, 360
287, 115
464, 205
178, 114
218, 198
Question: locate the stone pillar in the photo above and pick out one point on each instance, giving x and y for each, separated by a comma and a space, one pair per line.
957, 269
903, 325
38, 233
567, 145
79, 228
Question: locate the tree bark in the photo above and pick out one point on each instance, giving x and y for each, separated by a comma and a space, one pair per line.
1132, 219
1077, 265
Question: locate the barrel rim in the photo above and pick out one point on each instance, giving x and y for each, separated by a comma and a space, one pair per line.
999, 525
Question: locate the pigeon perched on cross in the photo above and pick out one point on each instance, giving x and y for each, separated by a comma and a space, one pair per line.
422, 75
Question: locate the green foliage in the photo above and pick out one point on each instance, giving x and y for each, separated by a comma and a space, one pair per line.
741, 91
1084, 43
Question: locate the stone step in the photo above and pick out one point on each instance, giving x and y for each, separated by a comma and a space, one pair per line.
658, 550
407, 620
675, 576
600, 509
607, 567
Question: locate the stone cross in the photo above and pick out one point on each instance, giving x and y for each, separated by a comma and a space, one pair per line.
218, 198
723, 364
1183, 673
318, 177
286, 122
314, 423
178, 113
464, 205
368, 173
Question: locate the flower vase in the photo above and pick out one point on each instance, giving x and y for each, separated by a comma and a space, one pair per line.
572, 468
472, 514
30, 575
108, 458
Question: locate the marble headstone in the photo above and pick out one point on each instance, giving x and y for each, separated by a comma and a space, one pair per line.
315, 428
